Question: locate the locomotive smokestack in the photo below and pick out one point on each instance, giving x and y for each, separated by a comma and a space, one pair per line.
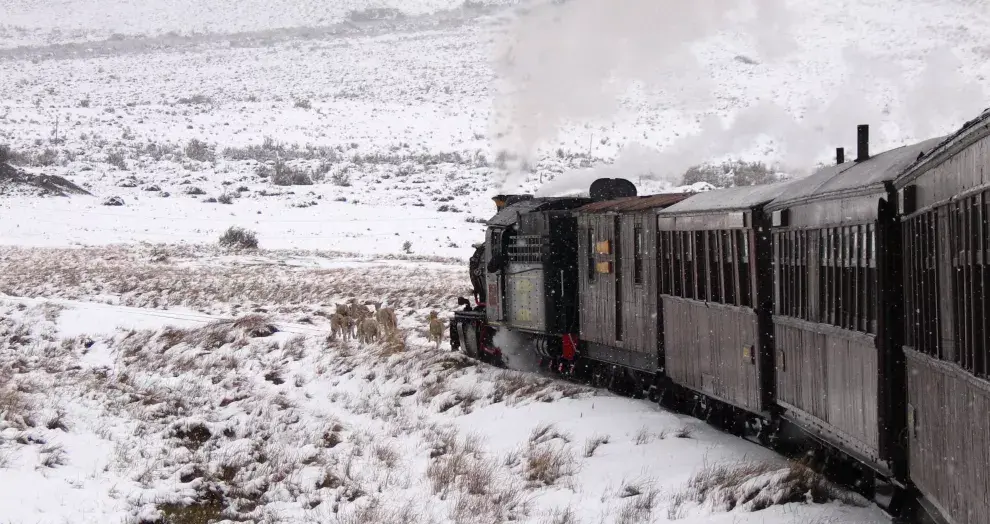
863, 143
840, 155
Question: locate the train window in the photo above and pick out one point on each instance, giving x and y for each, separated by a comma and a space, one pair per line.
689, 264
745, 287
591, 254
638, 255
730, 269
713, 265
700, 265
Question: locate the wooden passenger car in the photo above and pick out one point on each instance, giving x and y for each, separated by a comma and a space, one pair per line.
716, 294
945, 202
835, 309
617, 275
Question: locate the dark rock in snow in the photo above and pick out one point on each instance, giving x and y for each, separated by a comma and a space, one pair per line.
114, 201
14, 181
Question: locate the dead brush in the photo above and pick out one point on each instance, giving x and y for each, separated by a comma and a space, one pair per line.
593, 443
15, 409
756, 486
546, 464
545, 433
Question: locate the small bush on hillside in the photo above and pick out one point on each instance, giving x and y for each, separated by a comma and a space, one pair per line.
200, 151
341, 179
285, 175
239, 238
303, 103
117, 160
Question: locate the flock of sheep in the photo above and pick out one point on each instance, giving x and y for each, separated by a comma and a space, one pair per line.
356, 320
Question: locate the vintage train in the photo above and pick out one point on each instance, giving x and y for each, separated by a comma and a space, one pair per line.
843, 315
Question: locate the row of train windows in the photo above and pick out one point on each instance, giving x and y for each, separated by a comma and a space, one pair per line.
948, 249
827, 276
704, 265
638, 255
713, 266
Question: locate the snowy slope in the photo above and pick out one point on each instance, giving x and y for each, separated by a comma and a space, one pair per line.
109, 415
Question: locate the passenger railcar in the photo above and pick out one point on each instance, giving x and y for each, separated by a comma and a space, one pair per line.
835, 318
715, 289
620, 322
945, 200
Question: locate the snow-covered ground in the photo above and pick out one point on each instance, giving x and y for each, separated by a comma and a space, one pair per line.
361, 141
144, 383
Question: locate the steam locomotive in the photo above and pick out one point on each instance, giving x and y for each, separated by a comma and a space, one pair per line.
842, 316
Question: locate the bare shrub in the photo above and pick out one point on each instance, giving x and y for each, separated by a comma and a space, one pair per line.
545, 433
225, 198
200, 151
756, 486
546, 464
593, 443
285, 175
117, 160
387, 455
15, 409
239, 238
685, 432
52, 455
302, 103
643, 436
340, 178
195, 100
641, 501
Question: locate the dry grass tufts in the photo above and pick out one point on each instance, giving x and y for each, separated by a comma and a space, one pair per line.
756, 486
641, 501
52, 455
643, 436
561, 516
593, 443
15, 409
545, 433
546, 464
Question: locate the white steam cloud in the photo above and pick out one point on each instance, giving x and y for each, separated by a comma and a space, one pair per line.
516, 351
570, 63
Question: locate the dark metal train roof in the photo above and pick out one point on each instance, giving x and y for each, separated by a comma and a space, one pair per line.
971, 131
508, 215
854, 177
632, 204
729, 199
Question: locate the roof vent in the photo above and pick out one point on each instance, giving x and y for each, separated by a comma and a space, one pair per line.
863, 143
840, 155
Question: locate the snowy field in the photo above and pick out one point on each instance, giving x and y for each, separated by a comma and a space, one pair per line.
130, 393
149, 376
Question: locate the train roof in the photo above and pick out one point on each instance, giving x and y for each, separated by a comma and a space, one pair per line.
508, 215
729, 199
854, 177
633, 204
970, 132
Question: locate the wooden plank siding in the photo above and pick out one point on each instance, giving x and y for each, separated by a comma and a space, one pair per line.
947, 343
639, 314
949, 431
831, 377
704, 350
